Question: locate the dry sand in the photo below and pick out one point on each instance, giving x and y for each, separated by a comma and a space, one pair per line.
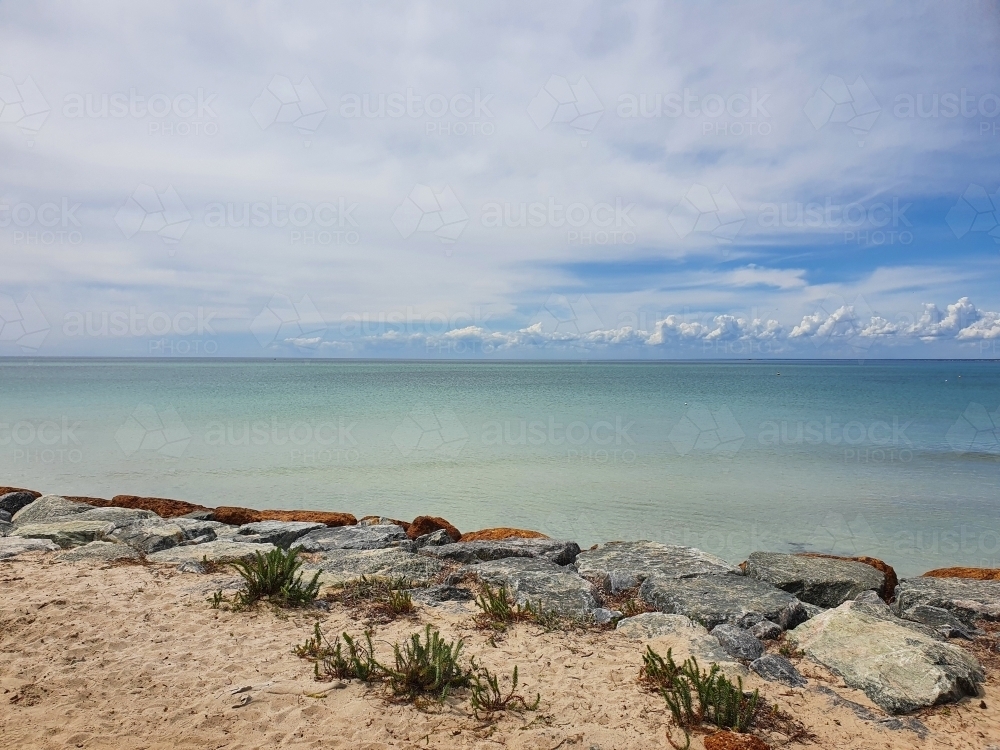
135, 657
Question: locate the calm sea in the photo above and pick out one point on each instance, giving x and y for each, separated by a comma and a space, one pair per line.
899, 460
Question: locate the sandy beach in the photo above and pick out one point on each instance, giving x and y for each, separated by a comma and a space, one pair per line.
134, 656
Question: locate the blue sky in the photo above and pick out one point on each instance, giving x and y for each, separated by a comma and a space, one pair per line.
606, 180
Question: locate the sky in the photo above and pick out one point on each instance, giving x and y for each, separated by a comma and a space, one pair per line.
606, 180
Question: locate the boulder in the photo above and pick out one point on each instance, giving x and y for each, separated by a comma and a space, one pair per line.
941, 620
976, 574
738, 643
65, 532
5, 516
502, 532
605, 616
382, 521
967, 599
48, 508
99, 552
774, 668
213, 552
241, 516
117, 516
540, 582
434, 539
650, 626
715, 599
551, 550
426, 524
622, 565
9, 490
883, 567
766, 630
440, 594
341, 566
823, 581
352, 537
5, 528
899, 669
12, 546
12, 502
150, 536
279, 533
161, 506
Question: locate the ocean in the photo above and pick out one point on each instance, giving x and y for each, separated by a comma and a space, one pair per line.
898, 460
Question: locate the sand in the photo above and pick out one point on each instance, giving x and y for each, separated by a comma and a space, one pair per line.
134, 656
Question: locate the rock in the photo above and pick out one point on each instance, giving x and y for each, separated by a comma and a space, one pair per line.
551, 550
444, 593
5, 516
5, 528
48, 508
434, 539
161, 506
766, 630
738, 643
65, 532
502, 532
199, 515
899, 669
191, 567
774, 668
195, 529
150, 536
117, 516
9, 490
825, 582
650, 626
967, 599
941, 620
352, 537
242, 516
883, 567
213, 552
382, 521
604, 616
99, 552
727, 740
622, 565
279, 533
341, 566
540, 582
12, 502
11, 546
715, 599
812, 610
426, 524
975, 574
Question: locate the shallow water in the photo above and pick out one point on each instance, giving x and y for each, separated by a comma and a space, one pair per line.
894, 459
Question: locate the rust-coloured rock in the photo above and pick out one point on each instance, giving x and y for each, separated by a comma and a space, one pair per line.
161, 506
977, 574
97, 502
502, 532
404, 524
734, 741
239, 516
6, 490
428, 524
891, 581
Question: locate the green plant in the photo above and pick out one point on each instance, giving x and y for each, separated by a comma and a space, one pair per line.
217, 599
487, 697
400, 603
789, 650
376, 599
427, 667
658, 673
330, 661
500, 609
275, 577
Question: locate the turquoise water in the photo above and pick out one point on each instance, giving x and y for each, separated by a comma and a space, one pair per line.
895, 459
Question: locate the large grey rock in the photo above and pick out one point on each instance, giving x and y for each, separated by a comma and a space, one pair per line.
941, 620
738, 643
12, 502
817, 580
685, 637
715, 599
213, 552
5, 517
198, 529
12, 546
542, 583
434, 539
48, 508
651, 625
65, 533
117, 516
149, 537
899, 669
550, 550
99, 552
342, 566
5, 528
968, 600
623, 565
378, 536
776, 668
279, 533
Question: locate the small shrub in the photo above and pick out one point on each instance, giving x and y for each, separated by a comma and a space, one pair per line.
500, 609
330, 661
274, 577
658, 673
427, 667
217, 599
487, 698
379, 600
789, 651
